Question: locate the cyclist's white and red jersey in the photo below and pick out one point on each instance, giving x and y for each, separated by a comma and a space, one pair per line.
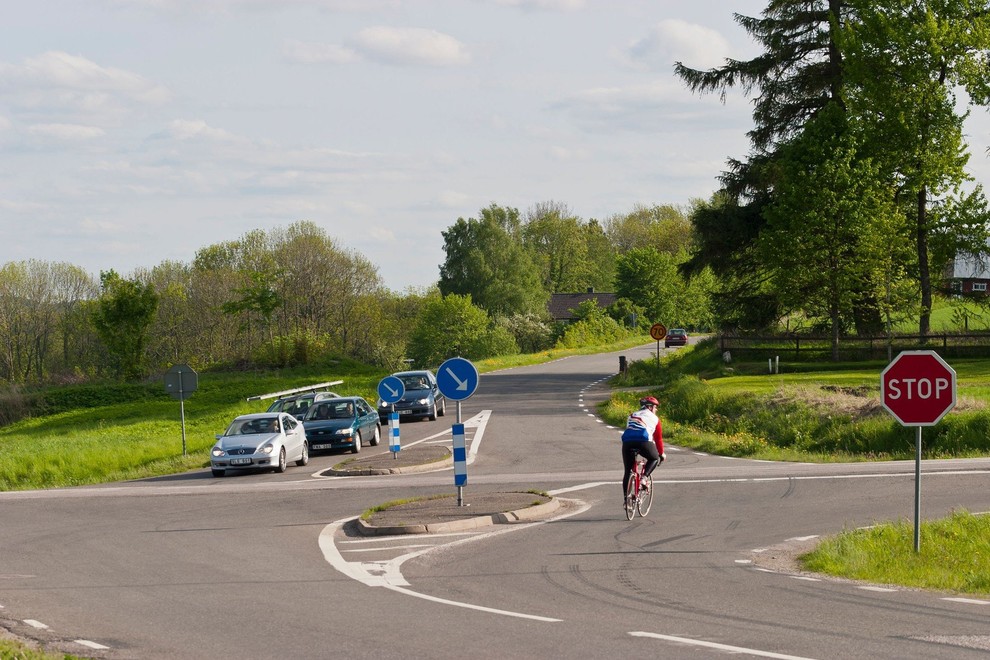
644, 425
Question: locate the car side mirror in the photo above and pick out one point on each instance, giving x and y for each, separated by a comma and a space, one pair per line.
218, 436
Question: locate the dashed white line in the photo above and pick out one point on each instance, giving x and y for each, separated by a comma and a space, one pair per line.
36, 624
883, 590
92, 645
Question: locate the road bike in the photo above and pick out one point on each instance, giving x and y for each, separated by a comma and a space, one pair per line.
639, 492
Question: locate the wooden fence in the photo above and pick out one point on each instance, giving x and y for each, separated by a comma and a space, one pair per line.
852, 349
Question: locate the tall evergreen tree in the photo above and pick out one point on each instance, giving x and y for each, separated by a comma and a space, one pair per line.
798, 74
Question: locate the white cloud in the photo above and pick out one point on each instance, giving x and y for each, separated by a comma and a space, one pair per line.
451, 199
66, 131
649, 108
382, 234
313, 53
225, 6
185, 129
57, 70
552, 5
404, 46
673, 40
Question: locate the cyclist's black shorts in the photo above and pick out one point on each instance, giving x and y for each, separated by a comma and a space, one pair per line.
644, 448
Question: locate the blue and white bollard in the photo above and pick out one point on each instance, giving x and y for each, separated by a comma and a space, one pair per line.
394, 445
460, 461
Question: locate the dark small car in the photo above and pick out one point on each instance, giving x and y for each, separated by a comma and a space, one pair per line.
343, 422
676, 337
422, 397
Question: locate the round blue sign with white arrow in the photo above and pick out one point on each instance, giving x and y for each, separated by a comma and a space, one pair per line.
391, 389
457, 379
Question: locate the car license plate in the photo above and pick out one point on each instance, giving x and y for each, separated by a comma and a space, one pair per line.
240, 461
404, 412
321, 446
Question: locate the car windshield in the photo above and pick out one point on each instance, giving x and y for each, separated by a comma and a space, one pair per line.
415, 383
334, 410
253, 426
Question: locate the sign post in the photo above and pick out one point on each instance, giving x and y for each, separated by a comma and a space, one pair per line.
918, 388
658, 331
390, 390
457, 379
180, 382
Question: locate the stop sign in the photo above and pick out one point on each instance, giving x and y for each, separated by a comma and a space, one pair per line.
918, 388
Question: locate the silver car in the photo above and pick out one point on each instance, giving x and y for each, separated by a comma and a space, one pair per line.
260, 441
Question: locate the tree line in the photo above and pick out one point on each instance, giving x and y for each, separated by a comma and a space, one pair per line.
295, 296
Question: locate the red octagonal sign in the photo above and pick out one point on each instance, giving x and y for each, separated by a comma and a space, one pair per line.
918, 388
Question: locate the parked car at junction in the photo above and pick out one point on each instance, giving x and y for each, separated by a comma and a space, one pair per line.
676, 337
297, 404
260, 441
344, 422
422, 397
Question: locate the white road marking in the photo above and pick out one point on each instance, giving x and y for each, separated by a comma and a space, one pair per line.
391, 547
883, 590
92, 645
35, 624
804, 577
720, 647
968, 601
388, 574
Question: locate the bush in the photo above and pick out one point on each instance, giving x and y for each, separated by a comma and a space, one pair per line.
593, 331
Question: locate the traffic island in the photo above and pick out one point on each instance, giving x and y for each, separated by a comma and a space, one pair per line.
441, 513
419, 458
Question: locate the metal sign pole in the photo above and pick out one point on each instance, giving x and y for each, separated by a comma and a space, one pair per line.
182, 413
917, 490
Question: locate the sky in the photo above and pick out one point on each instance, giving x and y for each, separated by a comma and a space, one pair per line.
134, 132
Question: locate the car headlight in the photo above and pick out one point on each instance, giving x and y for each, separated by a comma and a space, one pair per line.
344, 431
267, 449
217, 452
423, 401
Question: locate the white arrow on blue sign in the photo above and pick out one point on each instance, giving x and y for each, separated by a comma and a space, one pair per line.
391, 389
457, 379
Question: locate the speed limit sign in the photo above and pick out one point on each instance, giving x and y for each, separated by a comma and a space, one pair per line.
658, 331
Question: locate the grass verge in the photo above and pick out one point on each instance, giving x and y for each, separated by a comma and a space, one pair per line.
954, 554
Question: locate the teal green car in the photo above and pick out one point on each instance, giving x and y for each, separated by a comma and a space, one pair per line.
345, 422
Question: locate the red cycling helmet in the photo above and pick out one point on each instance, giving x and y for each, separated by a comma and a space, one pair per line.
649, 401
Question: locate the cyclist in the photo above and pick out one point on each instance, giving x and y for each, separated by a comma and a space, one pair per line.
643, 436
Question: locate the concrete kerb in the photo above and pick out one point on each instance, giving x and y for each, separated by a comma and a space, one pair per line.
527, 514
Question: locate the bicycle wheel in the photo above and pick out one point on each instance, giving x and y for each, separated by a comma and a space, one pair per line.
630, 503
645, 496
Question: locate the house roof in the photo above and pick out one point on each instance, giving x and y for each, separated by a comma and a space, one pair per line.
561, 304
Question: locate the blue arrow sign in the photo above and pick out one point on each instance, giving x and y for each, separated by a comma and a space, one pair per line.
457, 379
391, 389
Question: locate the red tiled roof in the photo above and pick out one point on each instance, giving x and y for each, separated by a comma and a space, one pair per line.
561, 304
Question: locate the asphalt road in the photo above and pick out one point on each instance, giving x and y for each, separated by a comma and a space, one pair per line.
266, 565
